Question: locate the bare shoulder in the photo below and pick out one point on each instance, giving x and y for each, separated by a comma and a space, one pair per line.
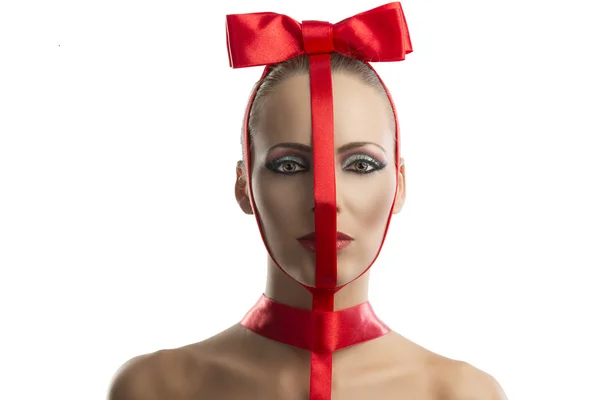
136, 379
459, 380
153, 376
171, 374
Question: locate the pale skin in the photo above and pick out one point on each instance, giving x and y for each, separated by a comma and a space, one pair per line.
239, 364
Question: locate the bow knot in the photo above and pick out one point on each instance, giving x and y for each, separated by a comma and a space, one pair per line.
317, 37
267, 38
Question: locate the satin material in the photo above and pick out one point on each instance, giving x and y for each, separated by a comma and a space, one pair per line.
321, 93
380, 34
254, 39
316, 331
317, 38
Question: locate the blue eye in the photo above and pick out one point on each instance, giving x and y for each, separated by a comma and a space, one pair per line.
286, 165
363, 164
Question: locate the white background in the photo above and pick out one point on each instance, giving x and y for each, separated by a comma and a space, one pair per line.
119, 230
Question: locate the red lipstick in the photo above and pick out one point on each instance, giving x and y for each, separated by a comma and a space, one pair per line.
309, 241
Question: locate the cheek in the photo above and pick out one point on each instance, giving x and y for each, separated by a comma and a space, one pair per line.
369, 200
282, 201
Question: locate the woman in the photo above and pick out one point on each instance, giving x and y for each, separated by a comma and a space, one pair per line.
321, 172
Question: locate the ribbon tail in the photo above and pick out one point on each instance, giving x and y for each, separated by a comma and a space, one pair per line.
320, 376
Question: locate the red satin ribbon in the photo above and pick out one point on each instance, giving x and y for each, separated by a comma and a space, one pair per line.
317, 331
321, 95
254, 39
317, 37
380, 34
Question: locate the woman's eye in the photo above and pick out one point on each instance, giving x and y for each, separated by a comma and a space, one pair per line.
289, 167
359, 163
286, 165
362, 164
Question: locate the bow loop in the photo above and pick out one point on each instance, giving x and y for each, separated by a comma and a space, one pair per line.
380, 34
262, 39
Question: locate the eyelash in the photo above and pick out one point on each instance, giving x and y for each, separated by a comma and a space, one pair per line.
375, 164
275, 164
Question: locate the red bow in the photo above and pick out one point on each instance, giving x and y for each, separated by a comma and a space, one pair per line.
380, 34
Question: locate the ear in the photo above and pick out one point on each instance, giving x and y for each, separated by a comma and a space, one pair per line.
241, 188
401, 193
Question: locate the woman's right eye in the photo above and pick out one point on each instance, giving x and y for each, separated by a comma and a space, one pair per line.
286, 166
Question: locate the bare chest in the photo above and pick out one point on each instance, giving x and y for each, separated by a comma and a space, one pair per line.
247, 367
267, 384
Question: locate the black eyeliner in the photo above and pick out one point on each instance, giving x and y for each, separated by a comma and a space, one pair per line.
273, 165
376, 164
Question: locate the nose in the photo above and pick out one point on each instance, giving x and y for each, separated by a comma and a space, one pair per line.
337, 203
338, 199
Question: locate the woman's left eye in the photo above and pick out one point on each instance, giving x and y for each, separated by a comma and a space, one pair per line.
362, 164
362, 167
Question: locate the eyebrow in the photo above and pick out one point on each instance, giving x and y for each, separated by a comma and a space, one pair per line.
308, 149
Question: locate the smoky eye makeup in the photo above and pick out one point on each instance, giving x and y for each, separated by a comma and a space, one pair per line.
369, 163
359, 161
287, 164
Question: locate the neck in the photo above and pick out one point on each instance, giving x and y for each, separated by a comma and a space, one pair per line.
285, 290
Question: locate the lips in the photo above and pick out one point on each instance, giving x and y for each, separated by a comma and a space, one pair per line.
312, 237
309, 242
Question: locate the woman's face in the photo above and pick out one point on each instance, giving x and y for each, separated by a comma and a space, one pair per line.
282, 176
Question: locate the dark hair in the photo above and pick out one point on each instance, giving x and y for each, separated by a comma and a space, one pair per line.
300, 65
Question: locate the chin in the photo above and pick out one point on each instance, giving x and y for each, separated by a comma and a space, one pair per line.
349, 272
301, 265
346, 272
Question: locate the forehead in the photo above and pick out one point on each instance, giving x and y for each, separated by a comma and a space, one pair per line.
360, 112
